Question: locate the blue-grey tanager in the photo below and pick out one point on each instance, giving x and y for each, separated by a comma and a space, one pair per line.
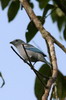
34, 53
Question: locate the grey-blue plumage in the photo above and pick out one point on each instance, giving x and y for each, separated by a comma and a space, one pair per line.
34, 53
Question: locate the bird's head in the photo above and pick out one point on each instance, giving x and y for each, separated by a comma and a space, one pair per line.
17, 42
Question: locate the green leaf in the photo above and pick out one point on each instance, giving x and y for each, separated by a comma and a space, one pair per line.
54, 17
47, 8
32, 30
60, 22
39, 88
64, 33
31, 4
42, 3
13, 9
59, 17
4, 3
60, 83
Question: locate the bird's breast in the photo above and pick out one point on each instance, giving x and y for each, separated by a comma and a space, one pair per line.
32, 55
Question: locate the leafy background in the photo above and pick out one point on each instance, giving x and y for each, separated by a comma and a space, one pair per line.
57, 15
56, 10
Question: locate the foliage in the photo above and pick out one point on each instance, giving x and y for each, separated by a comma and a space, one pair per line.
56, 8
39, 88
60, 83
32, 29
58, 15
4, 3
13, 9
42, 3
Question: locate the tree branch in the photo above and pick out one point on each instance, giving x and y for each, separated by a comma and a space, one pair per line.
38, 74
53, 60
59, 44
2, 80
50, 41
38, 24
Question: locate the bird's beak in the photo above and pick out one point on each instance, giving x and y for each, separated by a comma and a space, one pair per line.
11, 42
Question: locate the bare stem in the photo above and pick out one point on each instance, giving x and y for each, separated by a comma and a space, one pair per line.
50, 42
38, 24
38, 74
2, 80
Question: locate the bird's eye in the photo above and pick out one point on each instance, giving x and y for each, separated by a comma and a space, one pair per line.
16, 40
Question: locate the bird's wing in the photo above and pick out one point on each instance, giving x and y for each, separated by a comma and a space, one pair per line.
32, 48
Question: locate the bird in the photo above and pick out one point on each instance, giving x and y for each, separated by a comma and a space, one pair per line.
33, 53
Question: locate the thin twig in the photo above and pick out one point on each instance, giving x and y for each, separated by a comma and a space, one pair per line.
19, 55
42, 75
38, 24
44, 85
51, 12
52, 90
31, 66
49, 39
27, 55
59, 44
2, 80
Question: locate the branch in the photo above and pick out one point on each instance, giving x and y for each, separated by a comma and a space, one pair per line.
38, 24
50, 42
2, 80
52, 91
59, 44
38, 74
51, 51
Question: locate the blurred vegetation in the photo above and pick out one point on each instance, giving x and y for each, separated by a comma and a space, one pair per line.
57, 13
60, 84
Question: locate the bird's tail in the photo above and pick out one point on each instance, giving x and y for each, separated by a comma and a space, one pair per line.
45, 61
